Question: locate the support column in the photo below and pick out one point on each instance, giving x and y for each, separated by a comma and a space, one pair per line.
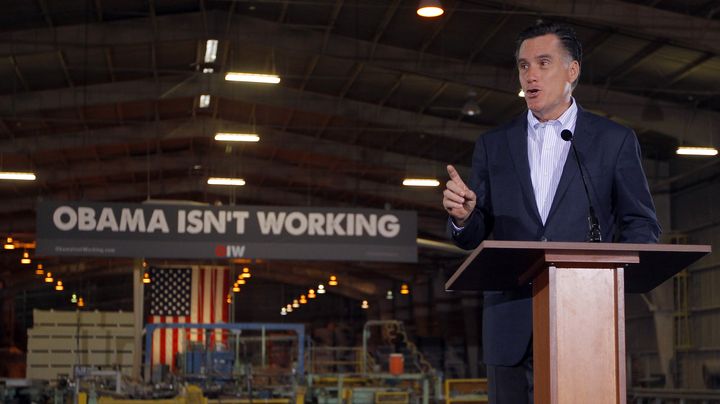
138, 309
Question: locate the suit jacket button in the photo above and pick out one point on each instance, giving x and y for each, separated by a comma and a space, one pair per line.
543, 238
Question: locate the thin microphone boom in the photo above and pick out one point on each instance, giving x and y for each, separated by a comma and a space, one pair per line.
594, 234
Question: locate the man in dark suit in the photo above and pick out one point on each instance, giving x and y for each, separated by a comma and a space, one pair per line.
525, 185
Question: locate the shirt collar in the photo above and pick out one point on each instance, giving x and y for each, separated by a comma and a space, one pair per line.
565, 120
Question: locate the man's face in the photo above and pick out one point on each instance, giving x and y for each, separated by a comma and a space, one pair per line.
546, 75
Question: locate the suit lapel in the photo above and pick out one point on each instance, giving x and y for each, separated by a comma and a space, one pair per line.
517, 140
583, 139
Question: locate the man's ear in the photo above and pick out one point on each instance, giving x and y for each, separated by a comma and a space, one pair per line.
574, 70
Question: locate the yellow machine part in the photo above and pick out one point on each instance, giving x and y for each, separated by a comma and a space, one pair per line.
192, 395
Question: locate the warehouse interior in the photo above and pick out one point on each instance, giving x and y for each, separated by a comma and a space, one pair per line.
119, 101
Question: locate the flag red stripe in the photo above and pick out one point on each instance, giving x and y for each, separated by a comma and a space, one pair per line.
176, 336
211, 298
200, 292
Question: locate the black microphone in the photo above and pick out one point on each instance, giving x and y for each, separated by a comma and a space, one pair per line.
594, 235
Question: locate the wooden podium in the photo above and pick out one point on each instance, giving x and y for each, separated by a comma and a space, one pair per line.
578, 305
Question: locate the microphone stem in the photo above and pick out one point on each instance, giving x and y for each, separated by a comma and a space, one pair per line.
594, 234
577, 160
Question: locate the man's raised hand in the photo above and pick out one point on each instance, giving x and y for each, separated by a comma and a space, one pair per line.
458, 200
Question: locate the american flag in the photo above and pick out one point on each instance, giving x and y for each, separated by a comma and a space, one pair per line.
186, 295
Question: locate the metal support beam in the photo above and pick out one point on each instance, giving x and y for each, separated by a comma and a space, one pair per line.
692, 32
243, 29
633, 62
203, 128
192, 85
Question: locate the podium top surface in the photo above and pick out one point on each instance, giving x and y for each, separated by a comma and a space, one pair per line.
504, 265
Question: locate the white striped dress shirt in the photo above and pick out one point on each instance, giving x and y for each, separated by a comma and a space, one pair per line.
547, 153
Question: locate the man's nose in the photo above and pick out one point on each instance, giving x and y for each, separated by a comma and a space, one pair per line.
531, 74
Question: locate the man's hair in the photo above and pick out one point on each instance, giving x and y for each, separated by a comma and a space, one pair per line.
563, 32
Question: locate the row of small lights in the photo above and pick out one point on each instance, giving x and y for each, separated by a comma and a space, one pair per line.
241, 280
290, 307
296, 303
10, 244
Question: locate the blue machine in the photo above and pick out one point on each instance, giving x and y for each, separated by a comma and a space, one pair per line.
199, 361
220, 364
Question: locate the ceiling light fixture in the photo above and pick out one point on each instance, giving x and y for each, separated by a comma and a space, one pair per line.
321, 289
696, 151
365, 305
253, 77
430, 8
289, 308
311, 294
74, 298
81, 302
303, 299
9, 245
404, 289
25, 258
333, 280
18, 176
389, 295
146, 278
211, 47
420, 182
521, 93
236, 137
236, 288
48, 277
59, 286
39, 270
283, 312
471, 106
226, 181
246, 272
204, 101
295, 304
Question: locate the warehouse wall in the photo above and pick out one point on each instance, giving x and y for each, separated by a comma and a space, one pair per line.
696, 213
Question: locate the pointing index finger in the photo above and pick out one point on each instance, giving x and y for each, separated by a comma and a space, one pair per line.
455, 176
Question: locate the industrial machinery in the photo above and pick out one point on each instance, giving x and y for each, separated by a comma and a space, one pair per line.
255, 362
368, 374
245, 360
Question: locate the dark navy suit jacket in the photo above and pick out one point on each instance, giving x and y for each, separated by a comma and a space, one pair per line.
506, 209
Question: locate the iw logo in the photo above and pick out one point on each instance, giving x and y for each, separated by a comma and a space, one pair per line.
230, 251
